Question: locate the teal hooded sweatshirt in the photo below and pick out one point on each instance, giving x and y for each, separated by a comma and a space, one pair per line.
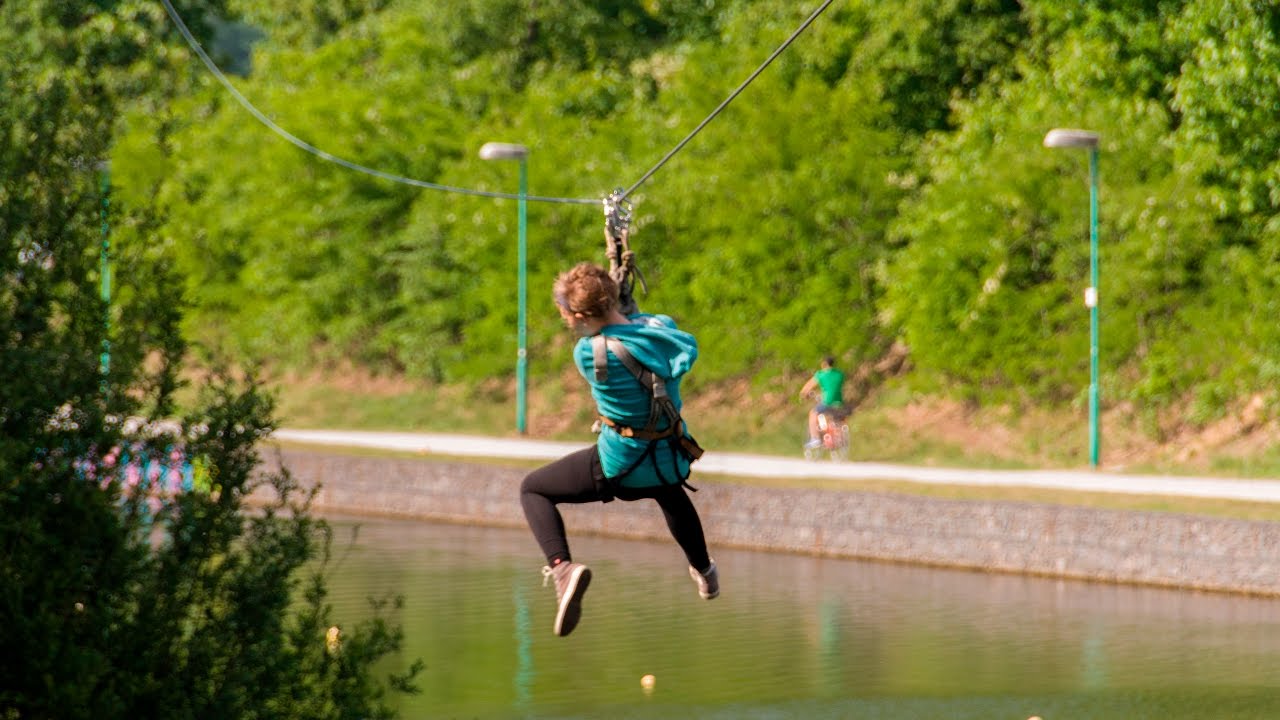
656, 342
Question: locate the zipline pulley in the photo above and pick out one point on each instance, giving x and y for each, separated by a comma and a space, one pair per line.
622, 260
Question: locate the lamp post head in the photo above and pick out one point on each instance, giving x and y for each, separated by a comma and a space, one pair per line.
1064, 138
503, 151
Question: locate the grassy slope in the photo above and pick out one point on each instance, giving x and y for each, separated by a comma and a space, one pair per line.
893, 424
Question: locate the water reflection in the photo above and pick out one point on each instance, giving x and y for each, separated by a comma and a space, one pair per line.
524, 650
798, 636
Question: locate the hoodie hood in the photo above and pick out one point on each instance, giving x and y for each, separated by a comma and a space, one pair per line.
658, 344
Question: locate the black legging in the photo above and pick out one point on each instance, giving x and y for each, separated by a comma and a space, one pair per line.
579, 478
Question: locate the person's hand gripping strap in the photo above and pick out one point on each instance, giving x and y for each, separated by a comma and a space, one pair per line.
622, 260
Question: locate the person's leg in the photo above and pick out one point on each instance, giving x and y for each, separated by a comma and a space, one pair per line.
686, 528
575, 478
814, 432
571, 479
684, 523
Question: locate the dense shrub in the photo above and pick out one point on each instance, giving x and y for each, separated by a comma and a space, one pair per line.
884, 179
134, 580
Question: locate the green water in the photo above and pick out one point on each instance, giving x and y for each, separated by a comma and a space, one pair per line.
797, 637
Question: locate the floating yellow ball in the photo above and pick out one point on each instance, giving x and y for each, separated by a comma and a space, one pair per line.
647, 682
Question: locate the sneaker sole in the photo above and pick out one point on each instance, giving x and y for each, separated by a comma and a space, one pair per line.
698, 579
570, 611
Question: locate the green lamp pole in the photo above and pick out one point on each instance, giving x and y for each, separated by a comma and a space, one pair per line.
512, 151
1061, 138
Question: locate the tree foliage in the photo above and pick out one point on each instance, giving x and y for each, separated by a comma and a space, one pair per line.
883, 180
125, 593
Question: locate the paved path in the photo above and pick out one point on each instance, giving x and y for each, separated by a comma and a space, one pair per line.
768, 466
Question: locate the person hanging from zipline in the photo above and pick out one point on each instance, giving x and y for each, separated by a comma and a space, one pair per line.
633, 363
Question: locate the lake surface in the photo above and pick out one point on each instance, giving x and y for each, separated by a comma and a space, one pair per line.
794, 637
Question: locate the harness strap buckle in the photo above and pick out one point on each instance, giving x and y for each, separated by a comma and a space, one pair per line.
639, 434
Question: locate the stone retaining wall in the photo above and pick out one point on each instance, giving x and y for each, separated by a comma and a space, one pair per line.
1116, 546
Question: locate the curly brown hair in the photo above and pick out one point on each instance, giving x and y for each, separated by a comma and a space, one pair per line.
586, 288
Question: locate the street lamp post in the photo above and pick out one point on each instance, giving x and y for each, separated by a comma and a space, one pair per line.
512, 151
1061, 138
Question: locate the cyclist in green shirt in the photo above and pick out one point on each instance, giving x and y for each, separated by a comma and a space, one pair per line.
831, 383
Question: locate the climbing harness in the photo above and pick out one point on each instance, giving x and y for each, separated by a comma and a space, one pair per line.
622, 260
661, 408
664, 423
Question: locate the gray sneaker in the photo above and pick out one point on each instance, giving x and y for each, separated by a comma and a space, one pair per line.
708, 582
571, 580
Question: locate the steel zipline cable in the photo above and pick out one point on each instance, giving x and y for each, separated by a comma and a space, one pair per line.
308, 147
617, 197
680, 145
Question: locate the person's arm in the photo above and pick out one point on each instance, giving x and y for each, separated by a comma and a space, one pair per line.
808, 387
621, 265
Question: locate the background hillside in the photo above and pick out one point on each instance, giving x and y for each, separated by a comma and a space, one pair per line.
880, 193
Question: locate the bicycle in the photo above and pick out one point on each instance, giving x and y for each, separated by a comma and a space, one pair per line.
833, 432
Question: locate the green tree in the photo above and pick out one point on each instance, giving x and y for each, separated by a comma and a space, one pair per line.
122, 596
988, 284
884, 179
1227, 148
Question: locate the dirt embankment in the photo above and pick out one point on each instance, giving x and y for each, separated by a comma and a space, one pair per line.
891, 421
